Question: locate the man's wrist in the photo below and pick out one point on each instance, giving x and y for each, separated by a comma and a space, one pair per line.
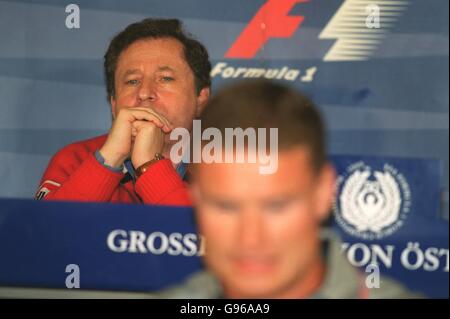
145, 166
107, 164
111, 159
141, 159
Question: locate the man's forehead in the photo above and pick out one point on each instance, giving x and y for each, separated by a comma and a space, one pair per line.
163, 54
294, 167
244, 190
298, 156
159, 68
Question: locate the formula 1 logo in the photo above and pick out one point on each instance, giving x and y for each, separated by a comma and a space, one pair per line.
358, 28
273, 20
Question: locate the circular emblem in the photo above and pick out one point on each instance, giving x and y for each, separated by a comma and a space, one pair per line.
370, 203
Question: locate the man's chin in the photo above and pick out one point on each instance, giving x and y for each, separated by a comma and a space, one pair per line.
254, 288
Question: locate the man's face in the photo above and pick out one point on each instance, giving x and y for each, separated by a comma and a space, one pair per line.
262, 231
153, 73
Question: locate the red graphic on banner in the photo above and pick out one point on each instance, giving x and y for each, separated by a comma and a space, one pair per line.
271, 21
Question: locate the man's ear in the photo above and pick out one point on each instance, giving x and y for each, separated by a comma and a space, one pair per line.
325, 192
113, 103
202, 99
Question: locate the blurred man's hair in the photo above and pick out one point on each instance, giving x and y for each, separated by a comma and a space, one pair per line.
266, 104
195, 53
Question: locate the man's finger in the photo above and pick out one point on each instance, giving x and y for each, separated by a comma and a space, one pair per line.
159, 116
140, 123
138, 115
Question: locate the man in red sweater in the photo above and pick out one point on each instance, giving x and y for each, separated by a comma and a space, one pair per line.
157, 79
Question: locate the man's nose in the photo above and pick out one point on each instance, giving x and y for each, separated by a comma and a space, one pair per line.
251, 229
147, 91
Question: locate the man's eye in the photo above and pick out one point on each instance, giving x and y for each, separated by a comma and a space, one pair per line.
226, 207
167, 79
277, 206
132, 82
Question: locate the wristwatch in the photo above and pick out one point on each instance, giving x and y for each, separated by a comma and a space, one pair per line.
144, 167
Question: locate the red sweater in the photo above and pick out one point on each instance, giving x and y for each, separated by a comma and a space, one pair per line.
75, 174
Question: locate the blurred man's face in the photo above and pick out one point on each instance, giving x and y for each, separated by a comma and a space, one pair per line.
262, 231
154, 73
